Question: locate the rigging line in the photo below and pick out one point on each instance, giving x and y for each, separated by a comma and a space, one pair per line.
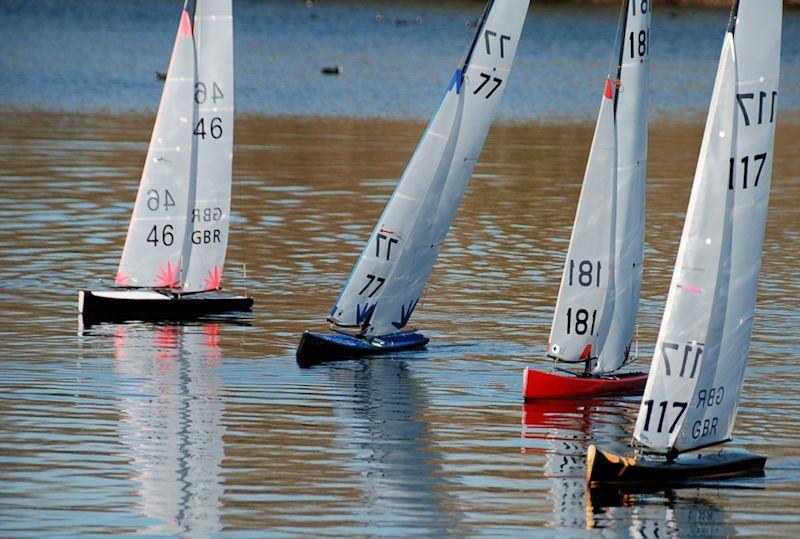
478, 33
241, 230
734, 14
622, 25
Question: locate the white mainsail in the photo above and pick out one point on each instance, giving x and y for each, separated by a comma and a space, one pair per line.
698, 366
207, 240
595, 313
587, 286
390, 276
154, 246
631, 117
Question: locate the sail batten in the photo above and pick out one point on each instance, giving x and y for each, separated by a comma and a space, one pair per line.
388, 280
697, 370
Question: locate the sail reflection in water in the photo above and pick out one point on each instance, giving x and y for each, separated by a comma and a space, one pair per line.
382, 423
567, 427
657, 513
171, 422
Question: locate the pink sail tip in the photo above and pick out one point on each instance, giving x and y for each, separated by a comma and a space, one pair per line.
609, 91
185, 29
690, 288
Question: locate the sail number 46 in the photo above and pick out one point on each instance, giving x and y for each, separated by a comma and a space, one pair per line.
201, 92
166, 237
214, 128
154, 200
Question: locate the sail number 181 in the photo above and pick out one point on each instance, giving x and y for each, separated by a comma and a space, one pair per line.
587, 274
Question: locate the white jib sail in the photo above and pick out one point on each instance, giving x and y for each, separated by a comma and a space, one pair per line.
631, 116
153, 252
698, 367
390, 276
585, 298
207, 237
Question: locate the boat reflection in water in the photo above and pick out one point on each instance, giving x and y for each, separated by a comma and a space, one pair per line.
171, 422
382, 422
657, 513
567, 427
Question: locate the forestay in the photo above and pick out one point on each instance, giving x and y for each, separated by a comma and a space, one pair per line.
631, 118
207, 241
389, 277
698, 366
153, 252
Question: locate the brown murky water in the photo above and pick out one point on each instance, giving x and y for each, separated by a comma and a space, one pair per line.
211, 428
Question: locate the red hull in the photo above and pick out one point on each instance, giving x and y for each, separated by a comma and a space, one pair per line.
543, 385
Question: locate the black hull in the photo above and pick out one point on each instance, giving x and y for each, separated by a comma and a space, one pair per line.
97, 308
317, 348
606, 469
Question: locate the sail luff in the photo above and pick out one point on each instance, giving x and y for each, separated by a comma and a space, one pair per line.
153, 248
209, 212
631, 121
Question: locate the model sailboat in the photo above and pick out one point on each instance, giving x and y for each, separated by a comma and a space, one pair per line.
595, 314
175, 249
390, 276
699, 362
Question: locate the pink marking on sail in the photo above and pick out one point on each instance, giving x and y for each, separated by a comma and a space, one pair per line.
122, 279
609, 91
214, 278
185, 29
586, 352
168, 277
691, 288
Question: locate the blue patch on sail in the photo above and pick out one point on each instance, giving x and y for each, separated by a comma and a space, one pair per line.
333, 311
456, 81
363, 317
405, 316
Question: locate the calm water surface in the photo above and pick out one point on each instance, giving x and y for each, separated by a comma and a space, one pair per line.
210, 428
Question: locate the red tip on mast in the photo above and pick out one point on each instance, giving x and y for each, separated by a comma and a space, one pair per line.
185, 29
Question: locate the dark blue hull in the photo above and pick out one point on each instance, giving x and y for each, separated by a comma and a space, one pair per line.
321, 347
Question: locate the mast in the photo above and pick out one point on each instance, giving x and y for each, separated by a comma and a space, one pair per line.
698, 366
390, 276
